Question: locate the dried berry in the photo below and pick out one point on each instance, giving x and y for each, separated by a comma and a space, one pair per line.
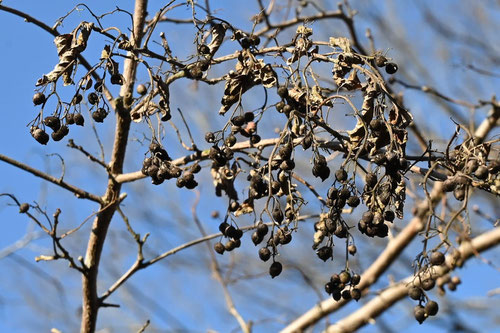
449, 184
256, 238
238, 120
230, 245
262, 229
428, 284
415, 293
437, 258
352, 249
355, 294
209, 137
341, 175
431, 308
391, 68
380, 60
141, 89
371, 179
117, 79
344, 193
283, 91
494, 167
345, 277
70, 119
353, 201
245, 43
419, 313
254, 40
355, 279
255, 138
77, 99
325, 253
60, 133
389, 215
278, 215
237, 234
219, 248
459, 193
264, 254
481, 172
346, 294
275, 269
223, 227
99, 115
79, 120
39, 98
93, 98
23, 208
53, 122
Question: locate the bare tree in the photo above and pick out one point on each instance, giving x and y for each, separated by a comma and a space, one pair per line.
308, 137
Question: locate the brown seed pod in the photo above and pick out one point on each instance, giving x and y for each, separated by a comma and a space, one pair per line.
275, 269
39, 98
431, 308
219, 248
437, 258
419, 313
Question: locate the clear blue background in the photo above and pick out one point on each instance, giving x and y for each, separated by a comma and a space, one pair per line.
180, 292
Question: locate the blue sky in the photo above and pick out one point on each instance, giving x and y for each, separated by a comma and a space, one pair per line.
175, 290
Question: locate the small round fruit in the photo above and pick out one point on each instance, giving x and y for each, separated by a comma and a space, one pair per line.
254, 40
256, 238
428, 284
275, 269
352, 249
116, 79
481, 172
278, 215
78, 118
419, 313
346, 294
391, 68
264, 254
325, 253
437, 258
414, 293
355, 294
209, 137
41, 136
219, 248
262, 229
341, 175
93, 98
431, 308
353, 201
39, 98
355, 279
380, 60
141, 89
283, 91
345, 277
23, 208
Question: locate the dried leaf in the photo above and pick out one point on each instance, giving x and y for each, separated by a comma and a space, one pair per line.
69, 47
341, 42
245, 208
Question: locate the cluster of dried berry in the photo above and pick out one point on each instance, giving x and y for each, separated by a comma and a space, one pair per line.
233, 234
343, 285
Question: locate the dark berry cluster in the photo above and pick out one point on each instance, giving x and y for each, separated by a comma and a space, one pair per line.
234, 238
158, 166
343, 285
